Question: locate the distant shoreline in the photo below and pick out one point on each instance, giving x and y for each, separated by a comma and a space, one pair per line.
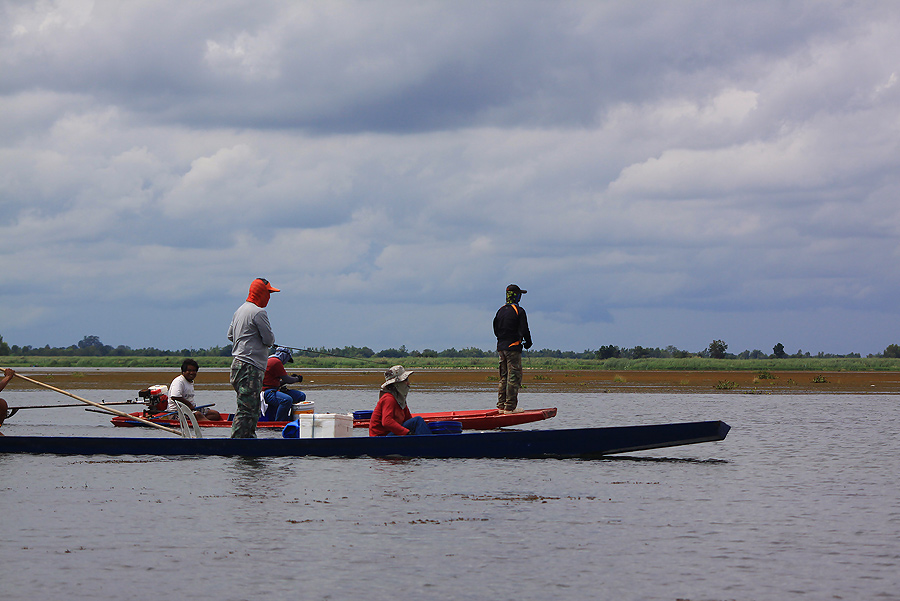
837, 364
536, 380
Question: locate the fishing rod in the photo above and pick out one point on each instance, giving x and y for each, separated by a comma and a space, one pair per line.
94, 404
166, 415
307, 350
13, 410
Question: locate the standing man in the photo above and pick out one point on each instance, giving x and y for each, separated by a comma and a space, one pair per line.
251, 336
511, 330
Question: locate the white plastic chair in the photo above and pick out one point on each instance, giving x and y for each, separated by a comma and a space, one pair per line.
189, 426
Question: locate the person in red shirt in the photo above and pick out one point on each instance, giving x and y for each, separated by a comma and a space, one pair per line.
280, 401
391, 416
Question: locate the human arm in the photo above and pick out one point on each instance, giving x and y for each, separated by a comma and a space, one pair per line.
177, 392
392, 416
283, 376
276, 374
181, 399
523, 329
8, 374
265, 329
291, 379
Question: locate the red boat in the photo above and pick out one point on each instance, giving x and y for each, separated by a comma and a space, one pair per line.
474, 419
477, 419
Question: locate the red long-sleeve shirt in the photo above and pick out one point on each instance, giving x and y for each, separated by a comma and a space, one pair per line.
274, 372
388, 417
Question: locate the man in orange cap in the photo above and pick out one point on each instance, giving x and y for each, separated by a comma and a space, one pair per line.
251, 336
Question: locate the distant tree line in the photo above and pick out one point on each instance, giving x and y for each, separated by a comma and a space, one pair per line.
91, 346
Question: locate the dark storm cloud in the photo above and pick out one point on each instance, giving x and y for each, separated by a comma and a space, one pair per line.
649, 170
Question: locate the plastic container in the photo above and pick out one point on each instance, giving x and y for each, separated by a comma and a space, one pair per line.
324, 425
305, 407
448, 427
366, 414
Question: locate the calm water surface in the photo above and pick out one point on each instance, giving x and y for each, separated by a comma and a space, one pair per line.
800, 501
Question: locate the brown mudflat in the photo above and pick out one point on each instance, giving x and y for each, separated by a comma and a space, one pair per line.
780, 382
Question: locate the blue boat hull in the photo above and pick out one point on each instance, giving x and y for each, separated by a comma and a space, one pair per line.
525, 444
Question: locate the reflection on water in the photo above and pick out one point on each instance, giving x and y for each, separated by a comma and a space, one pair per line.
799, 500
627, 458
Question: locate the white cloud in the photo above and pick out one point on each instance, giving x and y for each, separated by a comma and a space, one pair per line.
248, 56
223, 186
47, 18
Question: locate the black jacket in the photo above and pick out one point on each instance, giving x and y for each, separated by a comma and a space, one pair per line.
511, 328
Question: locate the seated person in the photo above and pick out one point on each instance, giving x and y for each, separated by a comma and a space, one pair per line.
8, 375
182, 390
391, 416
280, 401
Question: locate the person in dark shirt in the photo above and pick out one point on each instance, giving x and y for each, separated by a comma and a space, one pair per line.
8, 374
511, 330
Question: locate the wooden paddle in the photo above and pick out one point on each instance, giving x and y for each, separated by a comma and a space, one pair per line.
113, 411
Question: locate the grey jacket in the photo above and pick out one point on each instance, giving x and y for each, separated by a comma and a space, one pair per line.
251, 335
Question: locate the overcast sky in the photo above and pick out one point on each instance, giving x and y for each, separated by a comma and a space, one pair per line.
653, 173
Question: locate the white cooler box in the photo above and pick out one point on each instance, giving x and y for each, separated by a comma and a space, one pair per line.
325, 425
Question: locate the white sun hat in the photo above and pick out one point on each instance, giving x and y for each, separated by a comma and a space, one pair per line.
395, 374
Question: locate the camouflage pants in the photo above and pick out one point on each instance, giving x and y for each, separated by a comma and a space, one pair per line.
510, 379
246, 380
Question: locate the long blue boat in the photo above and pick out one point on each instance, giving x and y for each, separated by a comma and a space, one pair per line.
519, 444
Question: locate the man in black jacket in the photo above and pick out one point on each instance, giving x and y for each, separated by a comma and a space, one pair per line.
511, 330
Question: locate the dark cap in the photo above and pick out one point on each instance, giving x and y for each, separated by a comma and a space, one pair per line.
514, 288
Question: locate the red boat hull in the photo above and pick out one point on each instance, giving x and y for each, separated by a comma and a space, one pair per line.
477, 419
480, 419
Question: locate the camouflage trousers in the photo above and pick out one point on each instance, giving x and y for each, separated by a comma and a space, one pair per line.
510, 379
246, 380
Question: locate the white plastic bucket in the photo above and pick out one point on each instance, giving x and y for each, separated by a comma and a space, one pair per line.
304, 408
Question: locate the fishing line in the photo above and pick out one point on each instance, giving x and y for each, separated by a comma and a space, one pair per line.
380, 362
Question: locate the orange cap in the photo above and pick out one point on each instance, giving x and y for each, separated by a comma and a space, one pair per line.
269, 286
260, 289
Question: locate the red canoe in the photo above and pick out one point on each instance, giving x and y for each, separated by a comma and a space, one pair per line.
477, 419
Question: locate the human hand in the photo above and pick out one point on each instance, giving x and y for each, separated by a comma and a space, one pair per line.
527, 345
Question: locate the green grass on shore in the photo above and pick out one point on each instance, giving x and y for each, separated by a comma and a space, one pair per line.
650, 364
